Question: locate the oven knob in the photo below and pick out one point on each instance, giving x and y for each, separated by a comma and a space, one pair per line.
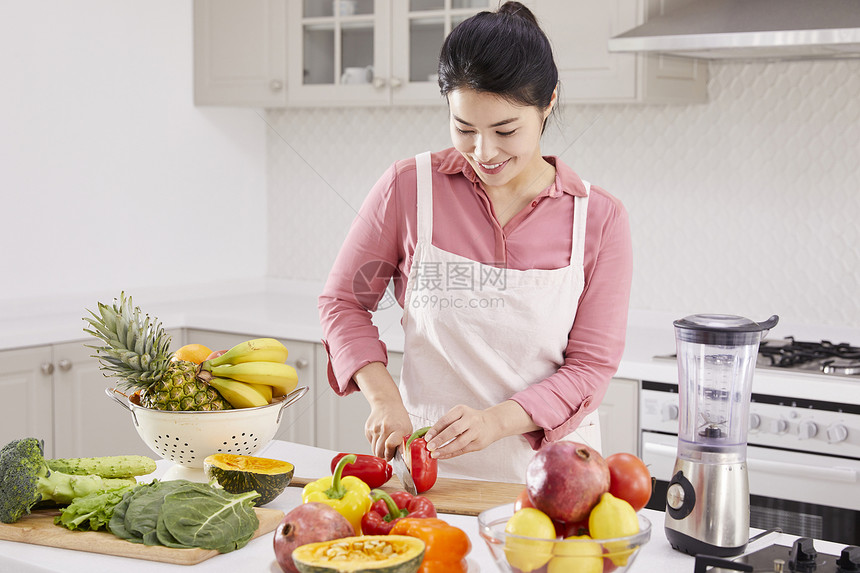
755, 421
670, 412
837, 433
807, 429
778, 426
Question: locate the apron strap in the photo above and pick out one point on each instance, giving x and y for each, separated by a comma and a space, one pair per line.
424, 174
580, 213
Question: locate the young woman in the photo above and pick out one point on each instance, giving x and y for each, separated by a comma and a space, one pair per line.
513, 273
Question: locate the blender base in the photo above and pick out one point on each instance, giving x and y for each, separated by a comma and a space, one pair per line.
691, 546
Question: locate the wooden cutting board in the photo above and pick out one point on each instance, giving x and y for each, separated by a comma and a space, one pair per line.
457, 496
38, 528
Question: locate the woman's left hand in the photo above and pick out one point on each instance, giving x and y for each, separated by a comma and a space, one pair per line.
463, 429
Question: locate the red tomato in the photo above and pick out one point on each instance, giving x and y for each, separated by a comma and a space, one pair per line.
522, 500
629, 479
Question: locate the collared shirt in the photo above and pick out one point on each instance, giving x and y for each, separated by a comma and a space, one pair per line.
381, 242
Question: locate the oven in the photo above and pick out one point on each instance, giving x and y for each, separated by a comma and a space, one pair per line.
803, 455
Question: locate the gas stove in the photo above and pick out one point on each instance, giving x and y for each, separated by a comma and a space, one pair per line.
801, 557
823, 357
789, 354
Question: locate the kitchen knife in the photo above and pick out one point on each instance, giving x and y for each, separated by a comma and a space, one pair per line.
402, 472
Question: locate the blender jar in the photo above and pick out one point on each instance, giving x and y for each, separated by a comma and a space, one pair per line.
716, 359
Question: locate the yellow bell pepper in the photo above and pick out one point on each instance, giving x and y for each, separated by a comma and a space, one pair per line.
348, 495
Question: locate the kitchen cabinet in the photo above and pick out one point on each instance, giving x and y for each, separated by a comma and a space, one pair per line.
56, 393
369, 52
298, 422
619, 417
240, 52
313, 53
26, 384
341, 419
589, 73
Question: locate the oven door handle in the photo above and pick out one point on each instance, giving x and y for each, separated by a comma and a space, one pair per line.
840, 474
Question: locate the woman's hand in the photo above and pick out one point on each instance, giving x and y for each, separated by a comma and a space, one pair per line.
388, 421
463, 429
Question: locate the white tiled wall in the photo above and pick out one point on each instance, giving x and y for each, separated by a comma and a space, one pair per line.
749, 204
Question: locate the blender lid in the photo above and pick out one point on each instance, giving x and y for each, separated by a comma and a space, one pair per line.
723, 328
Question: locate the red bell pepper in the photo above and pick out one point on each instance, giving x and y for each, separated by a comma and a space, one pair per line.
371, 470
389, 509
417, 457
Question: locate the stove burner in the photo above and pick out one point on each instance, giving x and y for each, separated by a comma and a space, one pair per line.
830, 358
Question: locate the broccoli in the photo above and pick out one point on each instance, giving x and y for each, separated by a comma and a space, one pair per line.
26, 479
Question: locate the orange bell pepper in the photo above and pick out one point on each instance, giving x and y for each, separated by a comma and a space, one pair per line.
446, 545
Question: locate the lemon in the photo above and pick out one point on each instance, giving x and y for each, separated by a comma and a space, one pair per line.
582, 557
529, 554
195, 353
613, 517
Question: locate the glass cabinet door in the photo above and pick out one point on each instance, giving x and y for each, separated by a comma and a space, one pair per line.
336, 48
419, 28
337, 41
358, 52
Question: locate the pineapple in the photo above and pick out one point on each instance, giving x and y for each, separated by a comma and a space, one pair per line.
137, 351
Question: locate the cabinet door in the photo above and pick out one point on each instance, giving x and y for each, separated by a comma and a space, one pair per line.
297, 422
619, 417
418, 29
26, 408
240, 52
341, 419
86, 422
338, 52
579, 32
588, 72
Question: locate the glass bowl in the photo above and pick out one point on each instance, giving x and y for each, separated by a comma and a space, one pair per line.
520, 554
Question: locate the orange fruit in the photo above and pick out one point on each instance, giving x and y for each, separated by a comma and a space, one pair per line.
195, 353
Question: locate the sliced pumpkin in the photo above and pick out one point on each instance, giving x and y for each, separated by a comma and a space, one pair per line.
372, 553
240, 474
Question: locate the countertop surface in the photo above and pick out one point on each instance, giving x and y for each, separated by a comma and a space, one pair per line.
258, 555
288, 309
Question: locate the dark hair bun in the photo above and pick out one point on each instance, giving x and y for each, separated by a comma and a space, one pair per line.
517, 9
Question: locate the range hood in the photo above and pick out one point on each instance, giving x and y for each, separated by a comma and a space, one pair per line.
750, 29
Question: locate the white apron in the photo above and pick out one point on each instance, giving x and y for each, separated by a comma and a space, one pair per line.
477, 334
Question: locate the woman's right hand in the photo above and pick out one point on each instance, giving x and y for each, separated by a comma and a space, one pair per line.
388, 421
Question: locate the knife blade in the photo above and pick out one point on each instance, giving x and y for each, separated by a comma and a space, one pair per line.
402, 472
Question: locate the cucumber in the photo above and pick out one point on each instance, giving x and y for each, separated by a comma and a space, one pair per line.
105, 466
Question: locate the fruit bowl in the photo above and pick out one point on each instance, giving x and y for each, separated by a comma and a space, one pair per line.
187, 438
521, 554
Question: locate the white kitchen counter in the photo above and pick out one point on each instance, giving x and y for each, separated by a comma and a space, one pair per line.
258, 555
288, 309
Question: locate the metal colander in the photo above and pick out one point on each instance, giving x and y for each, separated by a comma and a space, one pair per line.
186, 438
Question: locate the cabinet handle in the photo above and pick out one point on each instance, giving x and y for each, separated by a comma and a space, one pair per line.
47, 368
65, 365
396, 82
379, 83
276, 85
301, 363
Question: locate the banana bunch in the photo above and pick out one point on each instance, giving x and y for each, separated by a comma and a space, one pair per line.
251, 373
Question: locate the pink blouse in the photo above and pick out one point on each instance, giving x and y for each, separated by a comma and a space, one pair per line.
381, 242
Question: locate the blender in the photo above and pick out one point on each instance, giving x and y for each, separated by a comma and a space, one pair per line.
707, 500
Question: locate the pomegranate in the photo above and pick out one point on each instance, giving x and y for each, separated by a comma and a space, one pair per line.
307, 523
215, 354
566, 479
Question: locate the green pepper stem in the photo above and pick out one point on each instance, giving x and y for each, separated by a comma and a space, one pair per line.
419, 433
394, 512
337, 489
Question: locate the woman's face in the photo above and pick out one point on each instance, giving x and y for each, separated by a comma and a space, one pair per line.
499, 139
